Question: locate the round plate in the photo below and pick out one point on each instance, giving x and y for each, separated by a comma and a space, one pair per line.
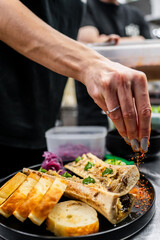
141, 214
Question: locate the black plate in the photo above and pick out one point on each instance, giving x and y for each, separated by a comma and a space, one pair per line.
141, 214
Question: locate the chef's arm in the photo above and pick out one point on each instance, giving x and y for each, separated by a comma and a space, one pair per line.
29, 35
109, 84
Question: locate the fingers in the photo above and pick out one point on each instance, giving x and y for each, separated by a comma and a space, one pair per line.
99, 100
143, 106
132, 120
112, 102
129, 112
115, 116
114, 37
118, 85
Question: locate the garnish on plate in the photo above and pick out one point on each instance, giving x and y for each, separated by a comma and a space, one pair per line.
42, 170
88, 180
67, 175
114, 160
53, 162
89, 165
107, 171
78, 159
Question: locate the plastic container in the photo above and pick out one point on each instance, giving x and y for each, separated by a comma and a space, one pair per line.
71, 142
138, 54
143, 56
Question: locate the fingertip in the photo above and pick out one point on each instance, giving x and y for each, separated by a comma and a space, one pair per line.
135, 145
144, 144
126, 140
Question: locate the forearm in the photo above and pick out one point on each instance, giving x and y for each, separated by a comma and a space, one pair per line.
30, 36
109, 84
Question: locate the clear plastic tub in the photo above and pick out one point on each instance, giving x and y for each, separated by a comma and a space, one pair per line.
143, 56
146, 53
71, 142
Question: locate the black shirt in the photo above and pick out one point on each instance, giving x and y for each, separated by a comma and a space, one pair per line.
30, 94
122, 19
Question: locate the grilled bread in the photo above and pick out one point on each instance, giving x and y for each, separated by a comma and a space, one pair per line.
72, 218
33, 198
8, 207
11, 185
117, 179
47, 203
114, 206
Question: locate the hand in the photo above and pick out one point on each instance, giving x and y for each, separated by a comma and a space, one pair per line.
109, 38
112, 84
135, 39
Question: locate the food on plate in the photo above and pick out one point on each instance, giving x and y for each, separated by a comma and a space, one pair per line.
11, 185
102, 187
53, 162
114, 206
72, 218
116, 179
114, 160
8, 207
48, 201
33, 198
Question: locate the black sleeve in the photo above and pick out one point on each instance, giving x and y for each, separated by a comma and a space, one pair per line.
144, 26
88, 19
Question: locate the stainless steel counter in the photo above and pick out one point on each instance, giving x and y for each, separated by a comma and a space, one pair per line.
151, 169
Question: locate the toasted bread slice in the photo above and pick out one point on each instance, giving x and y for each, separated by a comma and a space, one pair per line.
11, 185
114, 206
121, 179
51, 197
33, 198
72, 218
8, 207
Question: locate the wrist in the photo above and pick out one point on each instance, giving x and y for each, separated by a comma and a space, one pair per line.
91, 62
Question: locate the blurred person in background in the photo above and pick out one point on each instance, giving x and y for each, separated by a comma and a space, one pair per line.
37, 55
106, 21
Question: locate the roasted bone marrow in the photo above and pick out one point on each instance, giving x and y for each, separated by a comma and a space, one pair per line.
116, 179
112, 206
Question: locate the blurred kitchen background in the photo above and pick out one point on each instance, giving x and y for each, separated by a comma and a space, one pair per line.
151, 11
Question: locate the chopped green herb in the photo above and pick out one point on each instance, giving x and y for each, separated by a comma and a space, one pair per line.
88, 180
42, 170
107, 171
114, 160
89, 165
78, 159
67, 175
119, 162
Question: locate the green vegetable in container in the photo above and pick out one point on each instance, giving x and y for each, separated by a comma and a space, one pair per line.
155, 109
89, 165
88, 180
114, 160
